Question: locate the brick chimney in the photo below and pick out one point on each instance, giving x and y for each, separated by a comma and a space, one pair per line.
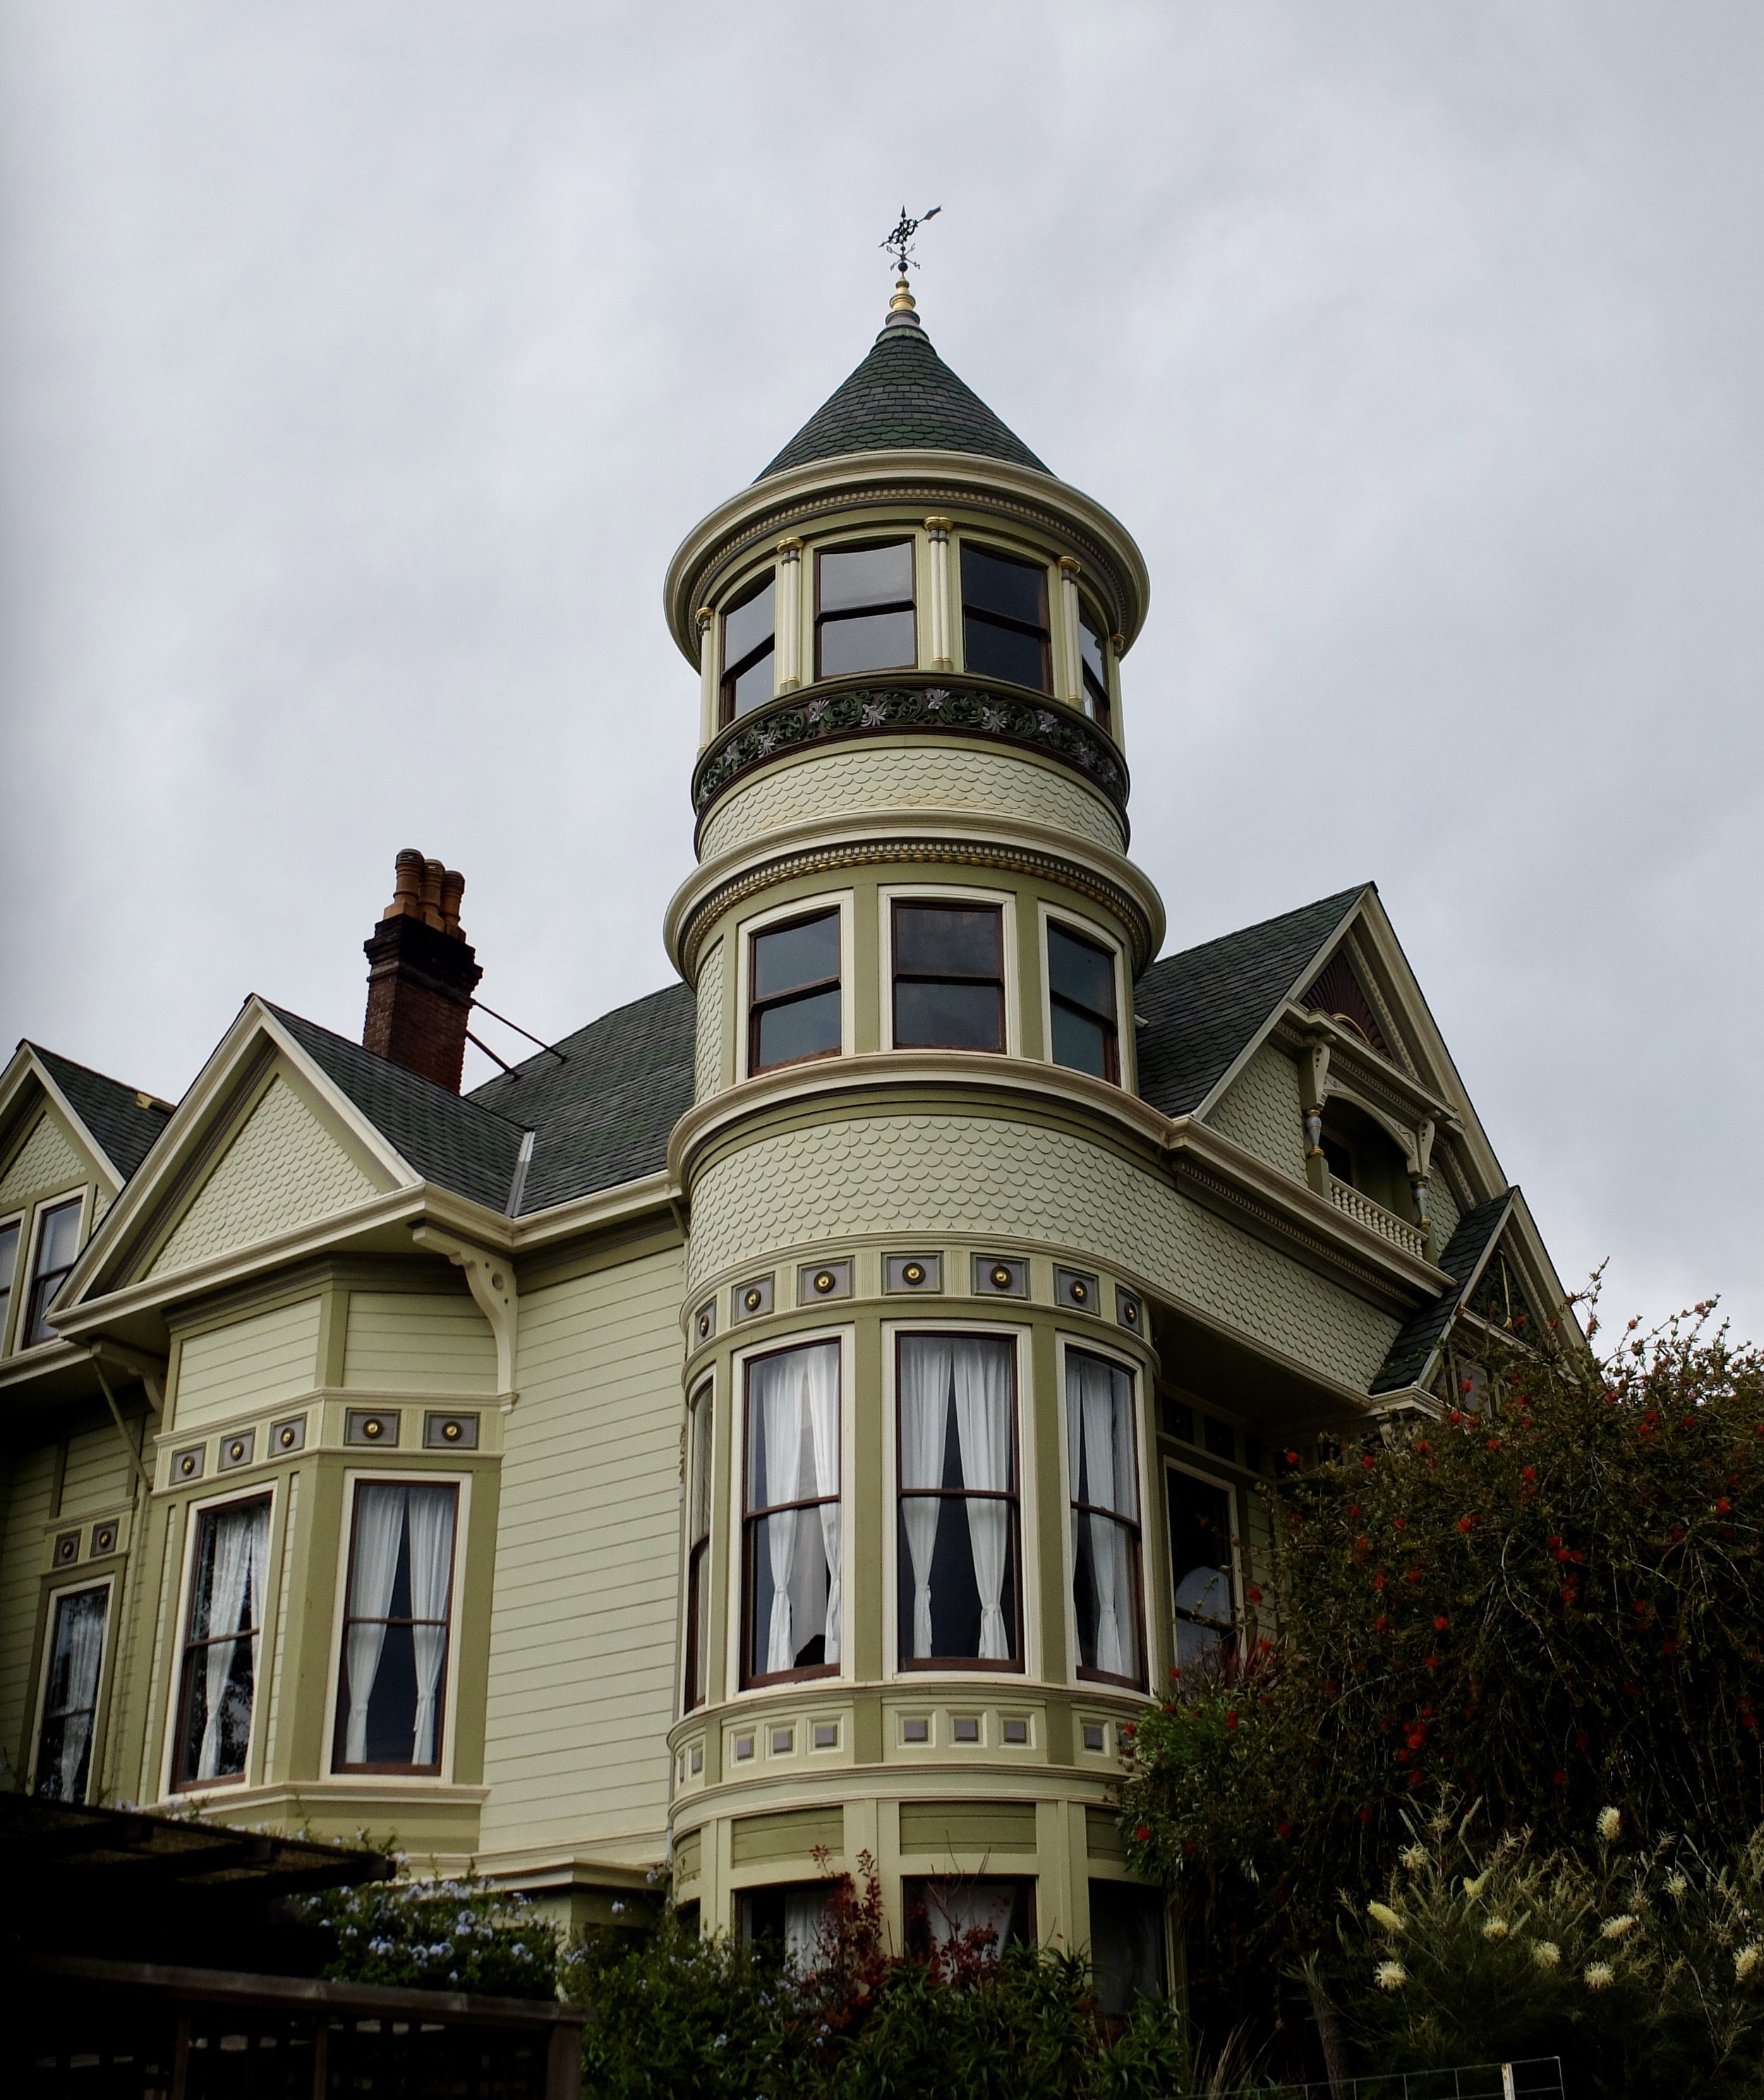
421, 973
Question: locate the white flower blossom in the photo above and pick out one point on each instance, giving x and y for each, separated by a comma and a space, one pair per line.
1475, 1887
1390, 1975
1600, 1976
1496, 1928
1546, 1954
1381, 1913
1746, 1961
1414, 1858
1610, 1822
1617, 1928
1677, 1887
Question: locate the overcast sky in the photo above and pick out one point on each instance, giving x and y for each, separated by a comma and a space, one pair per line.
361, 362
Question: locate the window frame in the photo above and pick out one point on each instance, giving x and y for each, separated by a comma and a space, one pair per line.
1232, 1636
1087, 930
728, 673
760, 1682
959, 1666
1024, 1922
1004, 902
78, 1198
771, 921
40, 1712
864, 543
1066, 1347
182, 1683
694, 1628
20, 1221
1103, 715
354, 1480
1043, 633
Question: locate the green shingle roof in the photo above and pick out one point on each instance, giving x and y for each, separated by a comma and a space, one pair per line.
1411, 1355
902, 396
110, 1110
1201, 1007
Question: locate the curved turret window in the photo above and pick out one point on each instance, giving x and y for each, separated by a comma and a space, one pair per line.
1005, 618
1093, 659
750, 641
795, 1008
1080, 999
949, 978
863, 610
792, 1517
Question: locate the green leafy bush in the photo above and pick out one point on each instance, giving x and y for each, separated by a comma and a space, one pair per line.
439, 1935
1642, 1969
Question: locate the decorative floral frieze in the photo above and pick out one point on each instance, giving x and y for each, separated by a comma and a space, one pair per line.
970, 708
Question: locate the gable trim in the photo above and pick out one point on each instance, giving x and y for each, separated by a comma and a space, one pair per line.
26, 1066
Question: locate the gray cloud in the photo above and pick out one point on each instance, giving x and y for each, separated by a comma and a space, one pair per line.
363, 366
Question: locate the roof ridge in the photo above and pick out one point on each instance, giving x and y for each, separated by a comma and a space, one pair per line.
1340, 896
92, 1071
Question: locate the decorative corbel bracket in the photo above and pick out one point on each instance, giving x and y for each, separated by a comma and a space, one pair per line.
149, 1370
1313, 1085
490, 1277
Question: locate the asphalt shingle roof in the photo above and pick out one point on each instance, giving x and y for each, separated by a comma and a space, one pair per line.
1411, 1354
1202, 1006
604, 1111
903, 394
110, 1110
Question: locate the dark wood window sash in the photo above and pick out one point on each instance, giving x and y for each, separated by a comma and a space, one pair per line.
758, 1009
900, 977
911, 604
446, 1623
1108, 1022
191, 1650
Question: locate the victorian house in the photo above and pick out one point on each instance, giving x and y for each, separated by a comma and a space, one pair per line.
806, 1412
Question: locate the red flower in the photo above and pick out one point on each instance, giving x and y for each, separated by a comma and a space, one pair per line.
1128, 1727
1494, 1443
1188, 1847
1423, 1445
1527, 1472
1723, 1506
1377, 1580
1561, 1779
1255, 1594
1415, 1780
1464, 1523
1380, 1623
1441, 1623
1456, 1415
1292, 1458
1142, 1834
1368, 1461
1432, 1662
1583, 1742
1283, 1830
1231, 1718
1414, 1574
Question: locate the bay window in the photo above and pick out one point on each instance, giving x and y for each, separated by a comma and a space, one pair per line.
959, 1536
791, 1515
697, 1545
392, 1673
794, 1010
750, 642
864, 619
1093, 665
1005, 618
1104, 1480
1080, 1003
948, 977
58, 1242
973, 1916
1200, 1566
70, 1693
221, 1633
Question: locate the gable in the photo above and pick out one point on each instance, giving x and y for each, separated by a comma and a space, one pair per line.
1337, 991
48, 1159
282, 1169
1499, 1295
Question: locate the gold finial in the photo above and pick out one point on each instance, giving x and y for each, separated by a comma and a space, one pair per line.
902, 301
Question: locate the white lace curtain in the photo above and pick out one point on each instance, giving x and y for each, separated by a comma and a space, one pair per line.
386, 1514
235, 1594
975, 1370
793, 1404
79, 1652
953, 1909
1099, 1413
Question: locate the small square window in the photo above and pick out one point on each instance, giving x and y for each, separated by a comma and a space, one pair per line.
827, 1735
915, 1730
1017, 1730
743, 1748
967, 1727
784, 1742
1096, 1735
1177, 1419
1221, 1439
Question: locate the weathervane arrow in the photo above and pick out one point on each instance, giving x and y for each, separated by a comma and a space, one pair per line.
899, 242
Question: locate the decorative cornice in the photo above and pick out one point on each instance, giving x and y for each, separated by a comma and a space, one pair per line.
690, 916
913, 702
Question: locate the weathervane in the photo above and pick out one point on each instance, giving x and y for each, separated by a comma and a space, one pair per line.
899, 242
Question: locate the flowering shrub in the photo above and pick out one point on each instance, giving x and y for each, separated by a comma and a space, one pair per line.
712, 2016
1553, 1604
1641, 1969
439, 1935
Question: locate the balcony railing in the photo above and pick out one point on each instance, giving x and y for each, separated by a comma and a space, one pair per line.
1398, 1231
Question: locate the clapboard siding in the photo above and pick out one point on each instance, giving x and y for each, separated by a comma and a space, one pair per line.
252, 1363
27, 1511
98, 1473
582, 1645
400, 1342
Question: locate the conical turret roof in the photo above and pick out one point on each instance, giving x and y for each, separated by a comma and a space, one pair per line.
903, 395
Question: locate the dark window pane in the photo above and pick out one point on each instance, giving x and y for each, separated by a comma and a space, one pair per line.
803, 954
57, 1243
1016, 589
866, 576
220, 1753
1090, 648
1080, 1043
753, 688
1003, 652
790, 1562
1340, 1160
749, 625
1127, 1945
1200, 1549
1081, 971
948, 1016
874, 642
9, 1255
935, 940
800, 1028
